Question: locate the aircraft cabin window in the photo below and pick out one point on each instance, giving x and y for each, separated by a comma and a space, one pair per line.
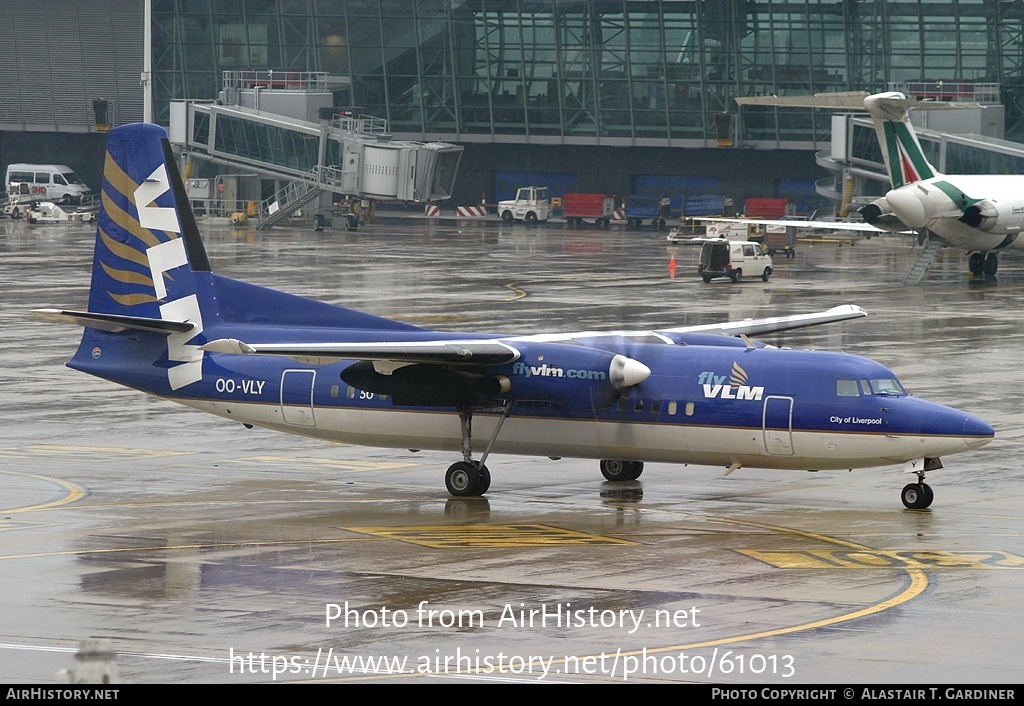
623, 405
334, 390
350, 393
672, 407
656, 406
689, 409
847, 388
638, 406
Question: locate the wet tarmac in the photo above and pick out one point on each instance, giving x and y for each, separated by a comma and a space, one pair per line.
206, 552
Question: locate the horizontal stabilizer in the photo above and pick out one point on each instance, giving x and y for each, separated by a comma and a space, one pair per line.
754, 327
114, 323
889, 105
478, 352
853, 100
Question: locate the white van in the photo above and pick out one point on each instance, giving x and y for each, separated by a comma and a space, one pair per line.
47, 182
734, 259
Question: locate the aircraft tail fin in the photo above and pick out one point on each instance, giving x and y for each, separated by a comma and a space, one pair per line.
150, 269
153, 298
148, 247
901, 150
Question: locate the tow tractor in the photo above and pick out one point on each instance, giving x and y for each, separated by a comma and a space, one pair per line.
531, 204
19, 200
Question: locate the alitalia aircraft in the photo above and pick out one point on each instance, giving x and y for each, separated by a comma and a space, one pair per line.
160, 321
980, 213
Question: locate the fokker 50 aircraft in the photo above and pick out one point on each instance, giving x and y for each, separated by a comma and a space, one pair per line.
980, 213
160, 321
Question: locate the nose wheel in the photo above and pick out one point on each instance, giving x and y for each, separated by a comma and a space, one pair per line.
615, 470
917, 496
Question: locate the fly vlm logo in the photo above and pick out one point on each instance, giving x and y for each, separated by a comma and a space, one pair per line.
162, 258
737, 389
550, 371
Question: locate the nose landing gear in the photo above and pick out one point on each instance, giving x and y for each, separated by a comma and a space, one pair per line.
919, 495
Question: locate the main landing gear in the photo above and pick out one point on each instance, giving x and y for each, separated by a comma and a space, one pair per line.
469, 478
621, 470
983, 264
919, 495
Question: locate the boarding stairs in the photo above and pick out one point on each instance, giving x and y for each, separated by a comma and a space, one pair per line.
932, 246
297, 194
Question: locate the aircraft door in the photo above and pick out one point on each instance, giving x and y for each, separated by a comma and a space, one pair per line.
297, 397
777, 424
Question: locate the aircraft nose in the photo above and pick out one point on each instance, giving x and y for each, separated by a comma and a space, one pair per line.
906, 203
977, 432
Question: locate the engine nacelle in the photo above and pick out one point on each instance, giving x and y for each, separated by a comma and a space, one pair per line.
574, 377
880, 214
984, 215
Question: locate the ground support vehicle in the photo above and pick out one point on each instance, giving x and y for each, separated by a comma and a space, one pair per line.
531, 204
19, 200
49, 212
48, 182
734, 259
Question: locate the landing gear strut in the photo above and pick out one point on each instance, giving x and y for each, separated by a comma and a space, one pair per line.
919, 495
469, 478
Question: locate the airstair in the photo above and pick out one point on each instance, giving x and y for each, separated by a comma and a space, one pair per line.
297, 194
932, 246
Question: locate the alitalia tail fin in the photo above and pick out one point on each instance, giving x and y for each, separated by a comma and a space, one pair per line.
901, 150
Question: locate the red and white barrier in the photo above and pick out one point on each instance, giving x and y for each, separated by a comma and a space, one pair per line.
470, 211
432, 210
619, 214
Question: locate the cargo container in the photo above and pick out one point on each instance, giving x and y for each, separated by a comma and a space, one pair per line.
640, 207
600, 207
780, 239
768, 207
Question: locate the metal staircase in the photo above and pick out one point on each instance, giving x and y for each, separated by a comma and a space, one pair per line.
929, 252
297, 194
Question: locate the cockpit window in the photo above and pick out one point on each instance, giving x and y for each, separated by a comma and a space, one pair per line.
847, 388
887, 386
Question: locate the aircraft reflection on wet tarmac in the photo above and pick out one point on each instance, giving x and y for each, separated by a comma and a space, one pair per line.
187, 540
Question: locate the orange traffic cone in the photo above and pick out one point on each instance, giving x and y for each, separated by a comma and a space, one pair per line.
672, 267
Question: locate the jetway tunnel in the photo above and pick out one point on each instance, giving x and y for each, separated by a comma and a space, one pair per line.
282, 125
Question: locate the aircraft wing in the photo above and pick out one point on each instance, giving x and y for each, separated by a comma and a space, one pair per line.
470, 352
493, 352
754, 327
858, 226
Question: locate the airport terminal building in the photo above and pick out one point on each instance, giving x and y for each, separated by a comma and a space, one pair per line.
616, 96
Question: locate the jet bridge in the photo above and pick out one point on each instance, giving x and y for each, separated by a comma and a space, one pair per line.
283, 126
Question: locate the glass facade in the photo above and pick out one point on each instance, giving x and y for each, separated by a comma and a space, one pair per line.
646, 72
